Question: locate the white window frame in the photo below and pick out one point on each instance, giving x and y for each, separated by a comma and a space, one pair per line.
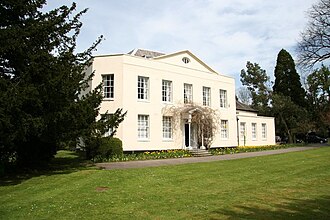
223, 98
143, 88
110, 130
242, 130
143, 127
108, 81
264, 131
167, 91
224, 129
167, 128
254, 132
206, 96
187, 93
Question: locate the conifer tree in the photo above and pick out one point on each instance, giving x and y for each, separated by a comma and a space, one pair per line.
288, 99
41, 81
287, 81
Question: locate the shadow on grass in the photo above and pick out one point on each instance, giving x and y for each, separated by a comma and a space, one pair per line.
318, 208
64, 162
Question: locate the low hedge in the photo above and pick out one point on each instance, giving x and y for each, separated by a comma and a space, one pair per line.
110, 147
99, 149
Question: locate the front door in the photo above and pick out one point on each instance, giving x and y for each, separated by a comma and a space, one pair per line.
186, 134
193, 135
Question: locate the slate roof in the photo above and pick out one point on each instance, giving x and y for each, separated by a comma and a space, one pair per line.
244, 107
145, 53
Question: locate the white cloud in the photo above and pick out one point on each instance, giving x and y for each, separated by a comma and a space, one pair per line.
225, 34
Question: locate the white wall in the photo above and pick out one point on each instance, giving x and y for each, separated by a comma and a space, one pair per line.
250, 118
127, 68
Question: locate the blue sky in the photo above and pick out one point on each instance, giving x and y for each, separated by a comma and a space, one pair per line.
225, 34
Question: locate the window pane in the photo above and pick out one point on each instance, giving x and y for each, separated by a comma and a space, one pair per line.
242, 130
143, 126
263, 131
254, 131
143, 88
166, 91
108, 85
187, 93
110, 130
206, 96
223, 98
224, 129
167, 127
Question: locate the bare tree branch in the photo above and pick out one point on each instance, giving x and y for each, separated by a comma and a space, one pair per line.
314, 45
206, 119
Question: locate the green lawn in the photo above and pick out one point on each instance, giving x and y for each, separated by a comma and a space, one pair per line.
287, 186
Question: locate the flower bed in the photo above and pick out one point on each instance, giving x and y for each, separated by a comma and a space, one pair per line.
242, 149
165, 154
148, 155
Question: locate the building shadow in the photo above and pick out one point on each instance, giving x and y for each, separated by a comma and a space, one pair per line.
302, 209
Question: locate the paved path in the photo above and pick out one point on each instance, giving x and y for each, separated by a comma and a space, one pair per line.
175, 161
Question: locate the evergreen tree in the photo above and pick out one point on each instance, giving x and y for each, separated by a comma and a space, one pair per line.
41, 81
256, 81
287, 81
288, 99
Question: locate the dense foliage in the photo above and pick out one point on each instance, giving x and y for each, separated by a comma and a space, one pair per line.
287, 80
100, 148
256, 80
318, 96
288, 98
41, 81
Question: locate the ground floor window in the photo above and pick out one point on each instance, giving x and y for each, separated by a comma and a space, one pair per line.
254, 131
242, 130
224, 129
109, 131
263, 131
167, 128
143, 127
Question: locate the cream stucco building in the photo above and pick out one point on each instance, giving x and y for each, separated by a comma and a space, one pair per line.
146, 84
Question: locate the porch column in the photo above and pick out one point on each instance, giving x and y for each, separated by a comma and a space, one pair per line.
202, 147
189, 130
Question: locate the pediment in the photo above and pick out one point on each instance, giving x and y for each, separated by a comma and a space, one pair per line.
185, 59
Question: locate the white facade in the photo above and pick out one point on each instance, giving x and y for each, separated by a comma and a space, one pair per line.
147, 84
255, 130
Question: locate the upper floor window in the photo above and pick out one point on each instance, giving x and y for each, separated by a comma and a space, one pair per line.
187, 93
223, 98
224, 129
167, 127
254, 131
263, 131
108, 86
166, 91
143, 127
143, 88
206, 96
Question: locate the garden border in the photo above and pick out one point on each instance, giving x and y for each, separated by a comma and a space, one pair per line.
187, 160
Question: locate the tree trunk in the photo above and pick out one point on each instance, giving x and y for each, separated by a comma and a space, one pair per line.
288, 131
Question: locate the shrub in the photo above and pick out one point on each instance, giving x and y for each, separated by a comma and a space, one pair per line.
110, 147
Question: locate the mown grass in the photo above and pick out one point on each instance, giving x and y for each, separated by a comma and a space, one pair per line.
286, 186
